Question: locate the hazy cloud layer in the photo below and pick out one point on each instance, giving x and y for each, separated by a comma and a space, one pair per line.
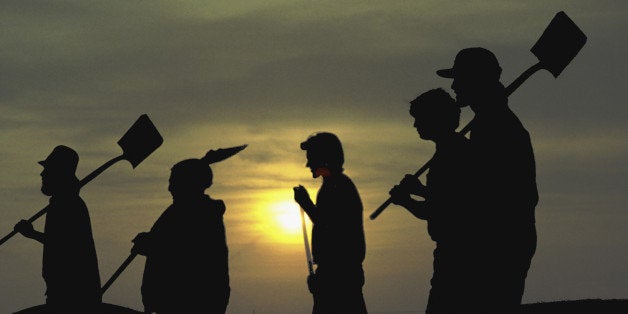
269, 73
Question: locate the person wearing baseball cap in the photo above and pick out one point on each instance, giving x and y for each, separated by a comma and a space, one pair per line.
69, 263
338, 242
474, 70
505, 169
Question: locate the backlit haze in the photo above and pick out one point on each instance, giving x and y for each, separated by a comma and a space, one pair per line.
216, 74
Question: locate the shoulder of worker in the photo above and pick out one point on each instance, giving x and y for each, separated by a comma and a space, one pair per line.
217, 204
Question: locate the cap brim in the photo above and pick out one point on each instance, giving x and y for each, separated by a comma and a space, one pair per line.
305, 145
446, 73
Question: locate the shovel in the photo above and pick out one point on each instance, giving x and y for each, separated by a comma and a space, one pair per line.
308, 252
211, 157
137, 143
558, 45
221, 154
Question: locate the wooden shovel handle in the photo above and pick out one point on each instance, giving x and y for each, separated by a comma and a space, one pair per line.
119, 271
523, 77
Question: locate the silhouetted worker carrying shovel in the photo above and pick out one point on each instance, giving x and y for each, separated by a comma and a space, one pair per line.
504, 160
141, 140
187, 267
338, 245
558, 45
505, 172
447, 205
70, 265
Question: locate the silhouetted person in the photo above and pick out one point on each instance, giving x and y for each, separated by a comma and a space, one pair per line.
504, 161
186, 250
338, 246
446, 205
70, 265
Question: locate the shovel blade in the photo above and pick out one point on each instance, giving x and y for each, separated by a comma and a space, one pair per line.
141, 140
220, 154
559, 44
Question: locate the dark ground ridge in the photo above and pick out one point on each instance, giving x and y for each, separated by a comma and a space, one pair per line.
593, 306
589, 306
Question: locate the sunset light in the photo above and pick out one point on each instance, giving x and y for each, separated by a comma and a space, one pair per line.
287, 214
280, 220
261, 92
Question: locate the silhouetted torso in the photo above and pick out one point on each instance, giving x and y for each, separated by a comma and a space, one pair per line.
338, 247
505, 162
70, 265
337, 234
453, 225
450, 192
506, 173
187, 263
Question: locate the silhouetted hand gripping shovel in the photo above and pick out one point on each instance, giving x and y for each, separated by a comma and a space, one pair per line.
138, 142
211, 157
558, 45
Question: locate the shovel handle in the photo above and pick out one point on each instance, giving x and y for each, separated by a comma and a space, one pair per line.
119, 271
381, 208
523, 77
83, 181
99, 170
308, 252
8, 236
509, 90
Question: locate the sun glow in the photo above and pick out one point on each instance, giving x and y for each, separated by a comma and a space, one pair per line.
288, 217
282, 221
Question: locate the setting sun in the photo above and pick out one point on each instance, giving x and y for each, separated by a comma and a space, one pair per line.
279, 218
288, 216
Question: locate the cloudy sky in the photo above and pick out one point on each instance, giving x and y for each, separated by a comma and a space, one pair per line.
214, 74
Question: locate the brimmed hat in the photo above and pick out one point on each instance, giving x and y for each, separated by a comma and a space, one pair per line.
475, 61
61, 159
325, 146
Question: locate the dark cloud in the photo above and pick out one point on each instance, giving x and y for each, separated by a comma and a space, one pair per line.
269, 74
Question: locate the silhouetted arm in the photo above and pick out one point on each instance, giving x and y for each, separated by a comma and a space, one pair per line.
310, 209
302, 197
400, 196
26, 229
142, 244
420, 209
414, 186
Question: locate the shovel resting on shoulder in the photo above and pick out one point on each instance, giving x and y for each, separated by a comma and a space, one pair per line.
558, 45
141, 140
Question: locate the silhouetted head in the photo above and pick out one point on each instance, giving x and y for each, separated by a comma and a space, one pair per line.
324, 153
59, 170
190, 177
475, 72
435, 113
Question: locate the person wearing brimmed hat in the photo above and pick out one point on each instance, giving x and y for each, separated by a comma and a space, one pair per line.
70, 264
505, 170
447, 197
187, 258
338, 245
